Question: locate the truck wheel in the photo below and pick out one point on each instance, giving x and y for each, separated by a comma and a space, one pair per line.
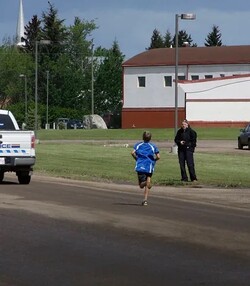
240, 146
24, 179
249, 144
1, 177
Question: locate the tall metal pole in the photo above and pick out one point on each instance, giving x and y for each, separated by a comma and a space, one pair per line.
26, 99
47, 113
25, 96
36, 83
176, 73
186, 16
92, 80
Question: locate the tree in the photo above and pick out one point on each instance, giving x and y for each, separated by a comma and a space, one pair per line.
32, 32
54, 30
108, 84
214, 37
68, 58
78, 45
13, 63
183, 38
53, 58
156, 40
71, 71
167, 39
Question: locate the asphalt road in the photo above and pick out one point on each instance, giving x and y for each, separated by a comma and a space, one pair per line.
62, 232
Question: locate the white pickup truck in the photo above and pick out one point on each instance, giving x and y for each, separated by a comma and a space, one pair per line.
17, 148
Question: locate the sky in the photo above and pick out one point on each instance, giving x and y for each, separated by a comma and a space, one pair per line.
131, 22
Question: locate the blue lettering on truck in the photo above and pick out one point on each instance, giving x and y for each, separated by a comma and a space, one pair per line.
9, 146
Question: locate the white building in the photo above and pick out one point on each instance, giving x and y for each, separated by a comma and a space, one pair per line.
218, 102
149, 90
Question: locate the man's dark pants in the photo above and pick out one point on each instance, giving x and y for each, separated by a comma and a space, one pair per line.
187, 155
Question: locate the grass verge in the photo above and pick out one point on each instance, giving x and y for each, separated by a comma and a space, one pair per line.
115, 164
134, 134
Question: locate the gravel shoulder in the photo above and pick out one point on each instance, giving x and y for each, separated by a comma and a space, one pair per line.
203, 146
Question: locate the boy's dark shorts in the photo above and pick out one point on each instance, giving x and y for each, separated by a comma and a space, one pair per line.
142, 177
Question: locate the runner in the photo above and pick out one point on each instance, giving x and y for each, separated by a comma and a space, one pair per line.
145, 154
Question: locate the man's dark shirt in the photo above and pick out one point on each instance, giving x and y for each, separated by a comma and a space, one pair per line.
189, 136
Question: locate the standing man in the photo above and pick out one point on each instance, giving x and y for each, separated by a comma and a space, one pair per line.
145, 155
186, 139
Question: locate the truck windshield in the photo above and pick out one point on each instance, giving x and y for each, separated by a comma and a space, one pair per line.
6, 122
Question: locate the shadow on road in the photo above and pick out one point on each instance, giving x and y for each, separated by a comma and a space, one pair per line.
8, 183
127, 204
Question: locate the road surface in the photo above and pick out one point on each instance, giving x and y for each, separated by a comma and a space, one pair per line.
70, 233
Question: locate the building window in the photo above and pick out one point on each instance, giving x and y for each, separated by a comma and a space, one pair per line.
194, 77
141, 81
208, 76
168, 80
181, 77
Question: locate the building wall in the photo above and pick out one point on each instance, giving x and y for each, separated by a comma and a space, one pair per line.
155, 94
150, 106
216, 71
151, 117
218, 102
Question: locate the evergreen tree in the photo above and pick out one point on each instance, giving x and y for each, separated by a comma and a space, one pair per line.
31, 118
53, 30
108, 84
167, 39
183, 39
214, 37
156, 40
101, 52
51, 56
32, 33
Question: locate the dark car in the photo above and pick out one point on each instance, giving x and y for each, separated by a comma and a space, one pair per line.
74, 124
244, 138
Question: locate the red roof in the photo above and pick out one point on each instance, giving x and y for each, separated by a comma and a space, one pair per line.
191, 56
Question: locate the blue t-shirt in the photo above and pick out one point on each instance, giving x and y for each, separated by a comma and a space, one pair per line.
145, 161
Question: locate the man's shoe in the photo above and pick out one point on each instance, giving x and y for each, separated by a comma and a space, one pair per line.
144, 203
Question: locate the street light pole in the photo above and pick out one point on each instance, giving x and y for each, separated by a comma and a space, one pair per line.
47, 113
36, 82
25, 96
183, 17
92, 80
176, 72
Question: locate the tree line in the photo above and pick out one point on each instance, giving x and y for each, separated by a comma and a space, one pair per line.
69, 65
184, 39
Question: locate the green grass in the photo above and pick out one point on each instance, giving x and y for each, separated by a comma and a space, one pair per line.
114, 163
133, 134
